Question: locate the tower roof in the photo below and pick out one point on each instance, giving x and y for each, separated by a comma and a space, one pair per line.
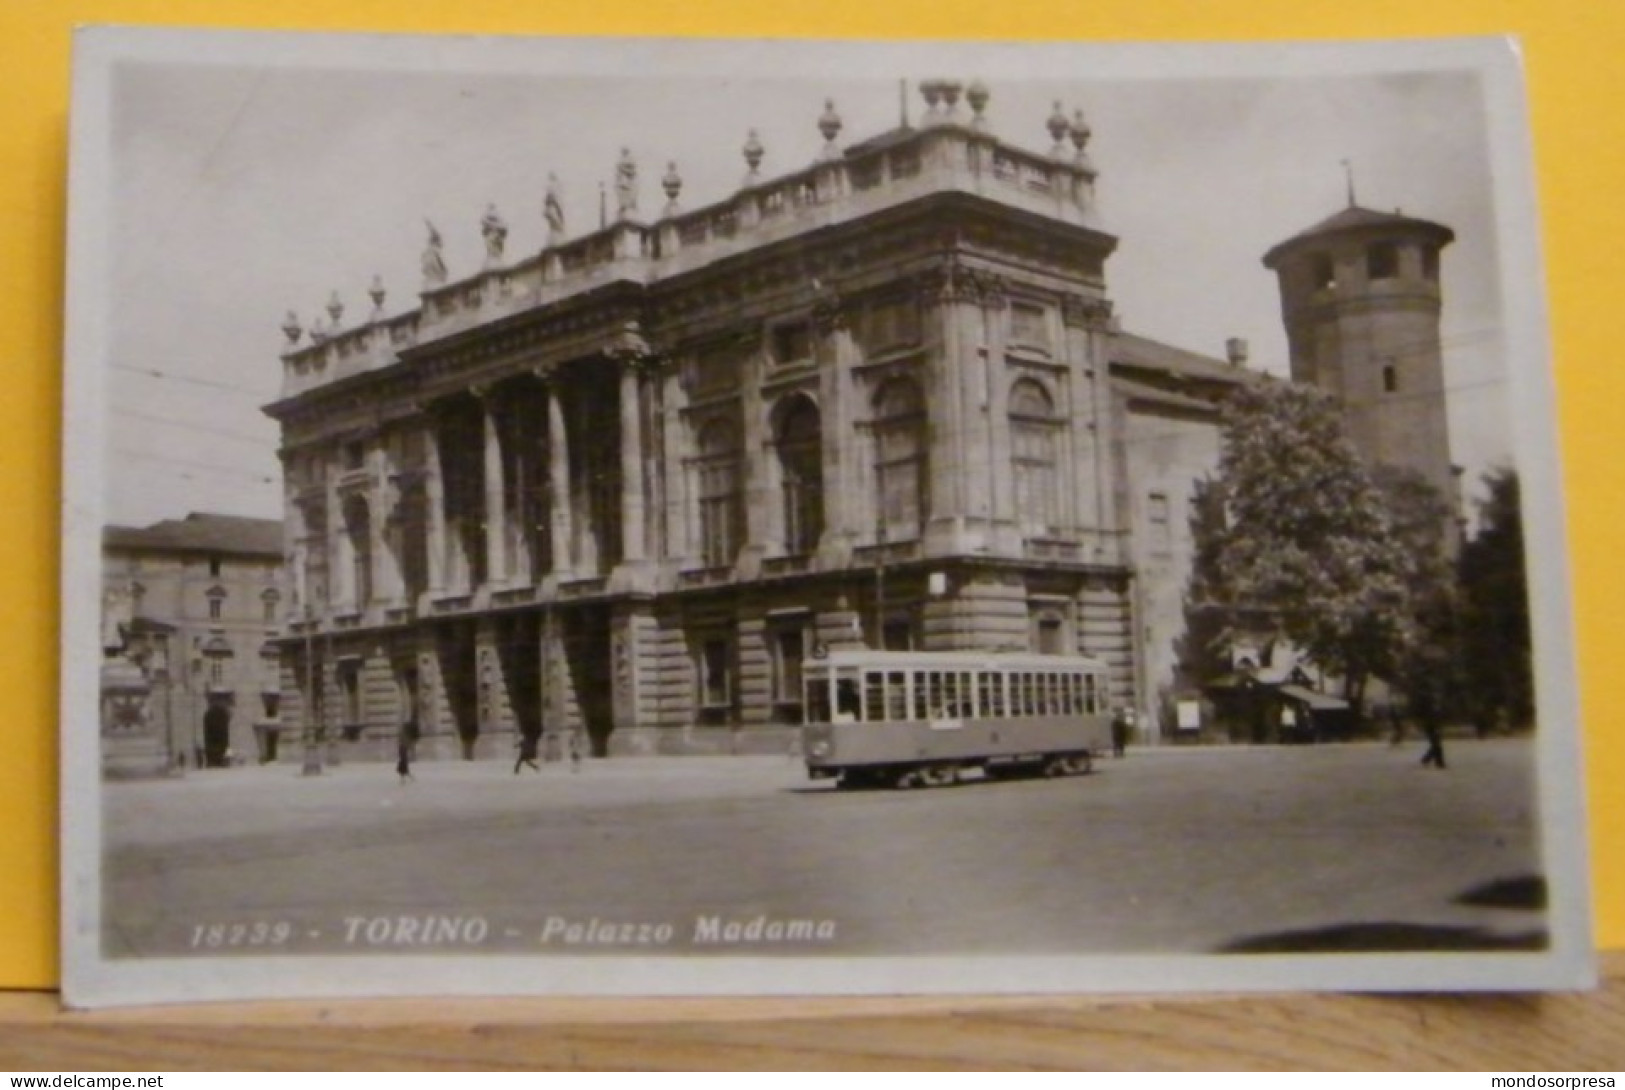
1354, 220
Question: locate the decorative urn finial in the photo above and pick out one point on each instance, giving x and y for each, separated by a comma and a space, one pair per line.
1058, 127
931, 91
335, 310
672, 183
1080, 133
951, 89
377, 293
829, 123
977, 95
753, 152
291, 329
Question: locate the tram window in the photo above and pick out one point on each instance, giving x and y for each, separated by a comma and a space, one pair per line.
897, 695
874, 696
848, 707
950, 696
817, 697
1054, 688
986, 684
922, 709
1067, 707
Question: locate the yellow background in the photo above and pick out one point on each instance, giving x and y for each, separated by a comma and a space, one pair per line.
1577, 97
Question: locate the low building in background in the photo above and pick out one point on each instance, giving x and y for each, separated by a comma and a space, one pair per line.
189, 607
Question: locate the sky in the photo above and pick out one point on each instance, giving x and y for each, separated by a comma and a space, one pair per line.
243, 183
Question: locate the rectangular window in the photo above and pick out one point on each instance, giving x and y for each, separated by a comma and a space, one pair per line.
1159, 525
897, 695
892, 324
1390, 379
1382, 261
874, 696
817, 699
716, 682
1029, 326
1322, 272
214, 567
789, 647
848, 706
792, 343
1430, 263
350, 691
214, 609
898, 634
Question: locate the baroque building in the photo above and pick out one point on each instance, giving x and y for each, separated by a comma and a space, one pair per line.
626, 484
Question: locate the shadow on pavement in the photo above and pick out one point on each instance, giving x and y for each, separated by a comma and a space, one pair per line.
1384, 937
1527, 892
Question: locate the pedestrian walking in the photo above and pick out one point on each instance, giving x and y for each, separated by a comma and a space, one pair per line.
406, 743
575, 751
1122, 723
1427, 711
527, 753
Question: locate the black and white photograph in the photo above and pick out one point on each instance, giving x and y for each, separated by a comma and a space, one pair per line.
694, 517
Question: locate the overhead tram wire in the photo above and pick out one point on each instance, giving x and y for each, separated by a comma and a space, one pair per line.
233, 471
224, 433
261, 397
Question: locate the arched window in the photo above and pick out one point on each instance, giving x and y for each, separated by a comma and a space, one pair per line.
799, 441
1033, 428
718, 471
900, 459
358, 535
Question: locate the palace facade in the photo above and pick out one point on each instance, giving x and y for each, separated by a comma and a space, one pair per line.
625, 485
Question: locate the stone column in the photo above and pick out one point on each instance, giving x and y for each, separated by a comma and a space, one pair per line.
632, 506
558, 474
754, 480
386, 581
947, 292
496, 515
837, 354
1086, 322
678, 451
434, 496
1001, 462
979, 327
340, 573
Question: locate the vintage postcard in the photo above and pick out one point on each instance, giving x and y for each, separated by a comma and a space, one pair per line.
678, 517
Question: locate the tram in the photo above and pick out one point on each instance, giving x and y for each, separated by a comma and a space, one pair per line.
920, 719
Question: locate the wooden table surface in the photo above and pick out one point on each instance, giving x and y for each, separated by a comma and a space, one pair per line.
1545, 1033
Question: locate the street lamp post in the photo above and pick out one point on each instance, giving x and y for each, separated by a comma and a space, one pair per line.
880, 583
312, 758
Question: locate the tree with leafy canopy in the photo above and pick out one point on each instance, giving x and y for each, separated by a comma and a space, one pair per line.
1499, 672
1313, 546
